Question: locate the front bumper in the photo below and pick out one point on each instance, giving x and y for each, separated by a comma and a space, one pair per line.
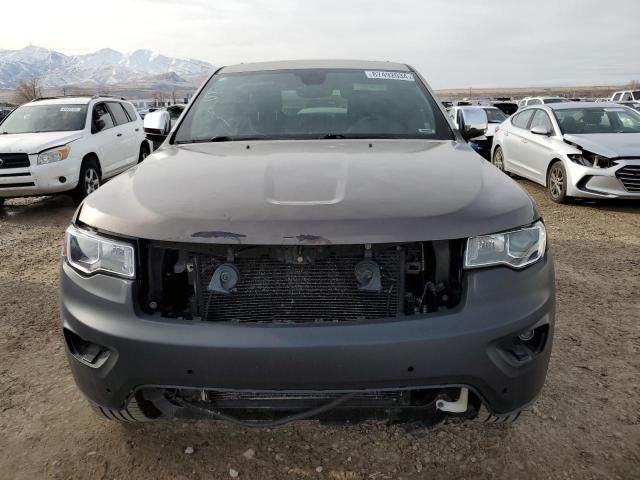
586, 182
455, 348
39, 179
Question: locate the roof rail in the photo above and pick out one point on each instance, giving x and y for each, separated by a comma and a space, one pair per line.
99, 95
59, 96
95, 95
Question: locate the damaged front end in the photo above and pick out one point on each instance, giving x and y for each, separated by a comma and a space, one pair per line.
424, 406
300, 284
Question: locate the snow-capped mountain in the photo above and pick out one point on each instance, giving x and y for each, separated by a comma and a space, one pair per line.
104, 67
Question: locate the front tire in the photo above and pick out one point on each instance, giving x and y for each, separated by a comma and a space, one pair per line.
144, 152
487, 418
89, 181
557, 183
132, 413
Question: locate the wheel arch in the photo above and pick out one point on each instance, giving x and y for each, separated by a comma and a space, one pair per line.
552, 162
145, 145
92, 156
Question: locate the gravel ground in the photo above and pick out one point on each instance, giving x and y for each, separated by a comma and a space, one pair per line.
585, 425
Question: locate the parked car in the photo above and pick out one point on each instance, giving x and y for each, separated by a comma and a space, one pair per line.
627, 97
174, 114
586, 150
529, 101
494, 117
356, 261
68, 145
4, 113
507, 107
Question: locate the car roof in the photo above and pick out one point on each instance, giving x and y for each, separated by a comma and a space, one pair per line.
62, 101
311, 64
484, 107
566, 105
73, 100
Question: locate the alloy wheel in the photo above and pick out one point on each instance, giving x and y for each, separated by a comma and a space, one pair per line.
498, 159
91, 180
556, 182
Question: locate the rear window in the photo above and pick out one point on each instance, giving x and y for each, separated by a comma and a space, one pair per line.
495, 115
130, 111
118, 113
314, 103
554, 100
521, 120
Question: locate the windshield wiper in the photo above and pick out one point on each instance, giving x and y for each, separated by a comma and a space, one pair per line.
228, 138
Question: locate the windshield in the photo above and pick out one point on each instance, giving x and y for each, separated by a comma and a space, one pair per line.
45, 118
313, 103
636, 94
495, 115
554, 100
598, 120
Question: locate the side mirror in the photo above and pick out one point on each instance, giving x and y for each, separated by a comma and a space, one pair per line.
540, 130
157, 125
474, 123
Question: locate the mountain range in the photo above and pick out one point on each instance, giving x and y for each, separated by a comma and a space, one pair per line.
98, 69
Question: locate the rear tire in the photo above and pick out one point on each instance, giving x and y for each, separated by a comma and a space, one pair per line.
557, 183
89, 181
144, 152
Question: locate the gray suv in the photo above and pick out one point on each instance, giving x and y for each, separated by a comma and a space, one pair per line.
312, 240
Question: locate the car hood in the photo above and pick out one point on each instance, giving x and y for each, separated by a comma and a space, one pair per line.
35, 142
611, 145
317, 192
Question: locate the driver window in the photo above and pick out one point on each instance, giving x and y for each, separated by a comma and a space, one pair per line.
101, 118
541, 119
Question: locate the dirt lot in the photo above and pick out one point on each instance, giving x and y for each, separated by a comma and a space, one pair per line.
586, 424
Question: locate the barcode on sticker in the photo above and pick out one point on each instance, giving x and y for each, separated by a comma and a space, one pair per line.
390, 75
69, 109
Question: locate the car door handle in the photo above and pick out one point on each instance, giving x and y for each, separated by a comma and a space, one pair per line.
524, 141
119, 135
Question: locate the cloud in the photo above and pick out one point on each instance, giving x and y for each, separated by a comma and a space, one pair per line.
463, 43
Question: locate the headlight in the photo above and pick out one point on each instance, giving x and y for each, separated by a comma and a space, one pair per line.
516, 249
91, 253
589, 159
53, 155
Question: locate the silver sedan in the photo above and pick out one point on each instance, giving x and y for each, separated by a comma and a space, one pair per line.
587, 150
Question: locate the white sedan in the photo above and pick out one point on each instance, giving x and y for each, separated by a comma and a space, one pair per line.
587, 150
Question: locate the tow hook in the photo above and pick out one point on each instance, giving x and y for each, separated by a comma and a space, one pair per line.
459, 406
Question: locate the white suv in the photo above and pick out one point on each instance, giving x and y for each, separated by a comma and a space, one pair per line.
68, 144
528, 101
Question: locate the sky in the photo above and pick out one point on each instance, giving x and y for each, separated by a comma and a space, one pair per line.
453, 43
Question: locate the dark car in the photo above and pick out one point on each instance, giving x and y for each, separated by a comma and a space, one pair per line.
313, 239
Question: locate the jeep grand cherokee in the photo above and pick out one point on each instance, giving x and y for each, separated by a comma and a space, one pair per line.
313, 240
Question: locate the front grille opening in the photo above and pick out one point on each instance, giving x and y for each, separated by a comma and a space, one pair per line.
301, 284
630, 177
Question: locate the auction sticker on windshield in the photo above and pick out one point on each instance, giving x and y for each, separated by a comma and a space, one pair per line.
390, 75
